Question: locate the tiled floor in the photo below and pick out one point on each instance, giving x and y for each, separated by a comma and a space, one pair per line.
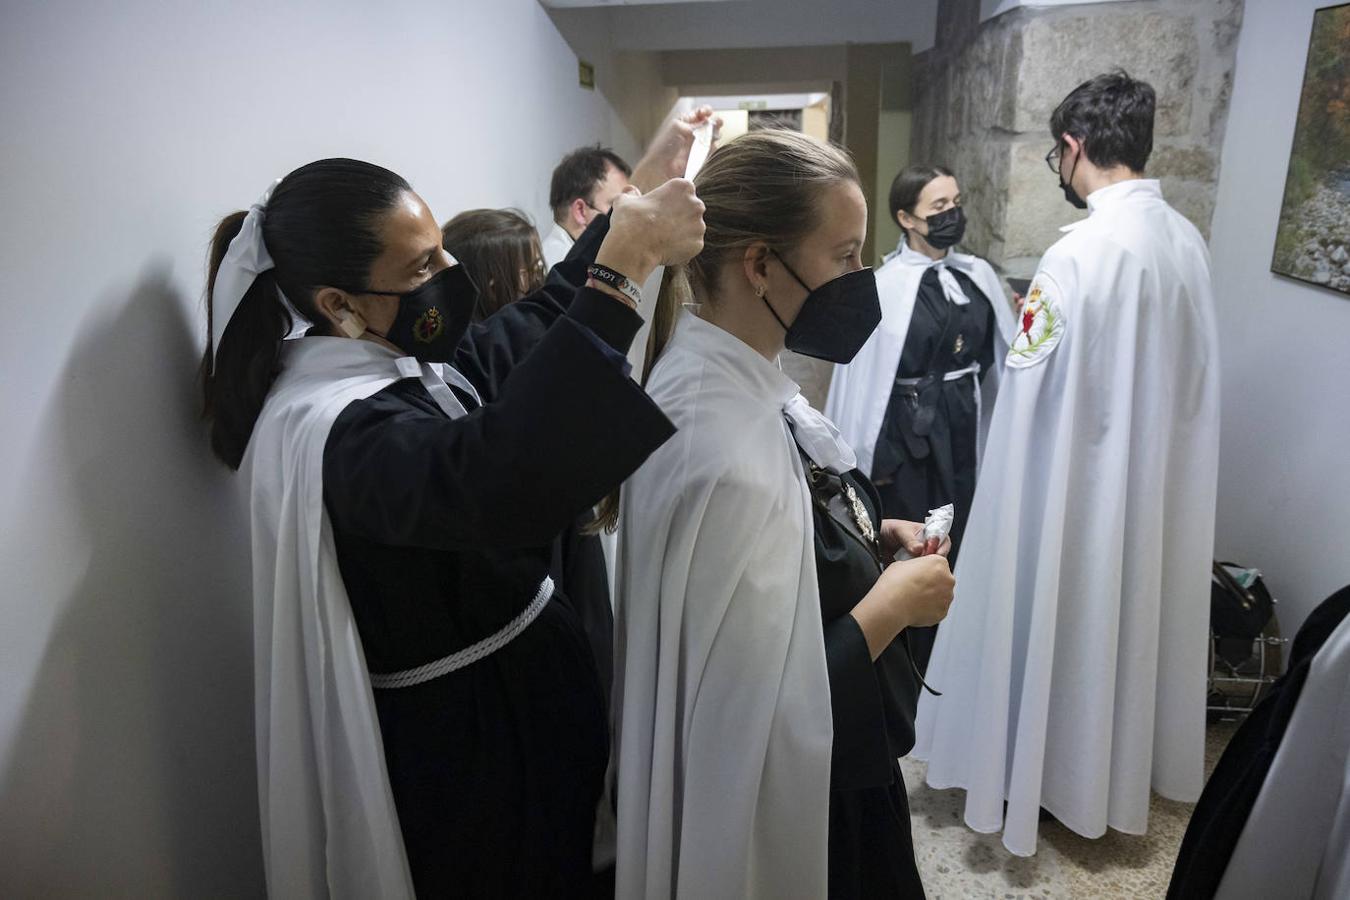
959, 863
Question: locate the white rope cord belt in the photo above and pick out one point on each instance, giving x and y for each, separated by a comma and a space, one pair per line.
472, 653
957, 375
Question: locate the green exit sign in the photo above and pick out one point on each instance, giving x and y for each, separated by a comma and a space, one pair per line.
586, 74
754, 104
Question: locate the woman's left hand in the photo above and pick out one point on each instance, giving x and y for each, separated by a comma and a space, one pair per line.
897, 534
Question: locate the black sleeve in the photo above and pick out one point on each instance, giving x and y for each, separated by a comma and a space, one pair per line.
861, 754
511, 474
490, 349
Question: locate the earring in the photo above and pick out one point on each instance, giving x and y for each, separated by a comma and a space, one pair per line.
759, 291
352, 325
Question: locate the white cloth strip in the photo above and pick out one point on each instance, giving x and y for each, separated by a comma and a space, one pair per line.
471, 654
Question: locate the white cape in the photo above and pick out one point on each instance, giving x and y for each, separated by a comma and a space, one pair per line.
1296, 842
861, 390
1072, 663
721, 697
329, 826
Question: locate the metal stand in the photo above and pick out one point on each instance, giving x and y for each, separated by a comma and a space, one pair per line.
1234, 690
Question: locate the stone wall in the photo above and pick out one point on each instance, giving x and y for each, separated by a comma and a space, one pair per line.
984, 94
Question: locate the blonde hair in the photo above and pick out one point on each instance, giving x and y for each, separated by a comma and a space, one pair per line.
763, 186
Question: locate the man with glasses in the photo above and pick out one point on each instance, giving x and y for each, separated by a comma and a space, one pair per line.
584, 185
1072, 664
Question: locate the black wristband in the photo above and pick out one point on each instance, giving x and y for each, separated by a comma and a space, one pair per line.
616, 280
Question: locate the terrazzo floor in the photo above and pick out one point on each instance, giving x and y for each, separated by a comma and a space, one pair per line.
957, 863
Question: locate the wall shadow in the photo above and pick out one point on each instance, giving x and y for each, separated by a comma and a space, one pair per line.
132, 768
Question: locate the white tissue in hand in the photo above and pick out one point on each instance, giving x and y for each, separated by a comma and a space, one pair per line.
937, 525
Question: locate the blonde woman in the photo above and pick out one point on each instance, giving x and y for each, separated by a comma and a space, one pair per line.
759, 682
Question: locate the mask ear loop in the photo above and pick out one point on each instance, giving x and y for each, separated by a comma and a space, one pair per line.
353, 325
762, 296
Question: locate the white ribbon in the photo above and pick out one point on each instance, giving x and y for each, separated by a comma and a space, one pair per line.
245, 259
818, 437
950, 286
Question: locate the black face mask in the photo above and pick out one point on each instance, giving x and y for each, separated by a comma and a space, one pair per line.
945, 229
1067, 187
433, 316
836, 319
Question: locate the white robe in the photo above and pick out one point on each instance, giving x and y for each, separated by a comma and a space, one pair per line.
555, 245
329, 826
861, 391
722, 703
1072, 663
1296, 842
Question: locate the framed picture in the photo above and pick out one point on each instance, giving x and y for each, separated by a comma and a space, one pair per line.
1312, 242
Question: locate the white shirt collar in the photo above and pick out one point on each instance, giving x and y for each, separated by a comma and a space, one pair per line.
560, 234
1114, 194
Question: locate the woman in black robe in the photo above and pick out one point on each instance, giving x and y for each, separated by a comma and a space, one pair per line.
500, 252
927, 450
872, 700
444, 526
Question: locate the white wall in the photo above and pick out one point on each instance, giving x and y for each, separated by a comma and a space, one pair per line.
126, 754
1284, 480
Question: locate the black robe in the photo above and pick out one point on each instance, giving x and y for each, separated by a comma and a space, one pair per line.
444, 529
1229, 796
871, 848
921, 464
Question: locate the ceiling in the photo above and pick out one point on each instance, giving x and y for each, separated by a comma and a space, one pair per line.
717, 24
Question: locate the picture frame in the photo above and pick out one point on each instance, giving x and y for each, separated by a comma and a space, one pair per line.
1312, 239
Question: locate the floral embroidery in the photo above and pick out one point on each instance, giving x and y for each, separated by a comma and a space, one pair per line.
1042, 325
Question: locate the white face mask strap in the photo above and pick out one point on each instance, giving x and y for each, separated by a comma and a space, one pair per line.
245, 259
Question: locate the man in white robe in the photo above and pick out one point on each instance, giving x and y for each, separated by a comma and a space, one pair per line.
1072, 665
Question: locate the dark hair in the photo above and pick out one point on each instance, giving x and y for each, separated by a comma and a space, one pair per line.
321, 228
909, 184
1112, 115
579, 174
495, 246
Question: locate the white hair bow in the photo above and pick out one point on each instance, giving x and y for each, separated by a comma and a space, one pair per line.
246, 259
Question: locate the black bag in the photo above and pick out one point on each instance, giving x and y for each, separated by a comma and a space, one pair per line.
1235, 611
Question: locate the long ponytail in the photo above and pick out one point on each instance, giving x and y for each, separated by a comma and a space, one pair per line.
672, 297
237, 375
321, 228
763, 186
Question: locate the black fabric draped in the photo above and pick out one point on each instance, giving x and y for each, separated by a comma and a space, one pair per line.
444, 529
871, 850
1230, 794
926, 452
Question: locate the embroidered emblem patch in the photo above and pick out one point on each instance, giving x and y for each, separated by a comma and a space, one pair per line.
1040, 327
428, 326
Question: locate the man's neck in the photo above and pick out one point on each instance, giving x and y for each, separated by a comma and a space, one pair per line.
1102, 178
569, 229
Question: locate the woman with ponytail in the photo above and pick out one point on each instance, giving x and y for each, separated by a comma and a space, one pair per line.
760, 686
429, 714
